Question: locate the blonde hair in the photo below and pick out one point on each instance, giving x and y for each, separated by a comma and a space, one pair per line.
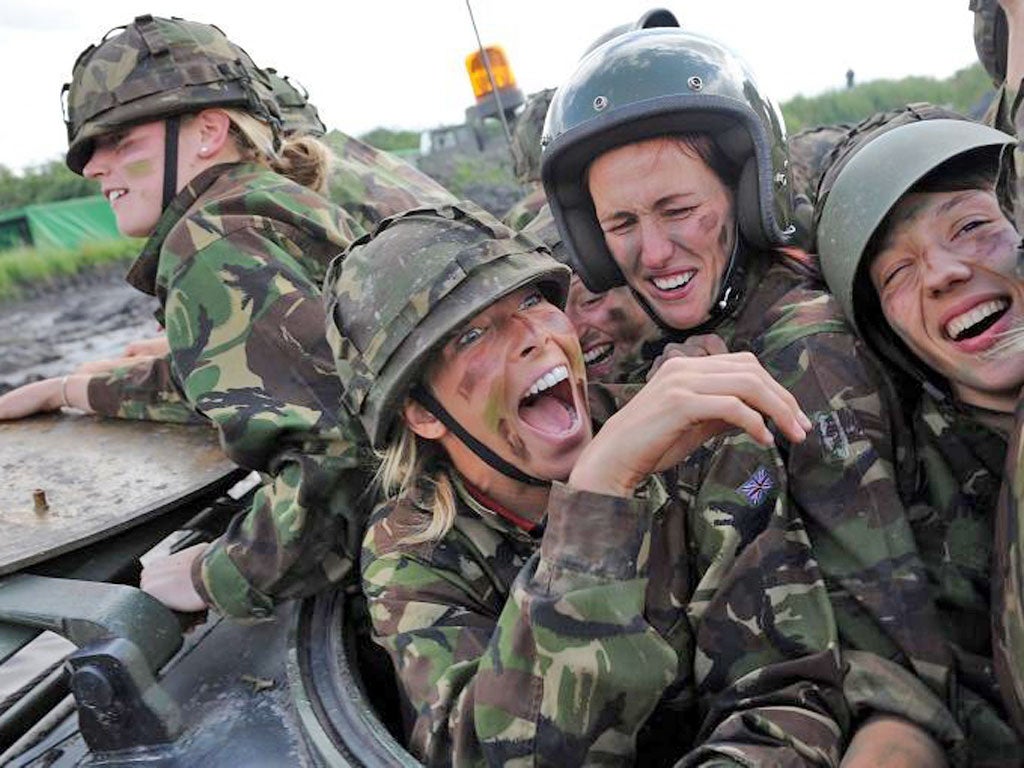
303, 159
409, 466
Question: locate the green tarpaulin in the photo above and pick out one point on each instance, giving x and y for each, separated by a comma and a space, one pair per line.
65, 224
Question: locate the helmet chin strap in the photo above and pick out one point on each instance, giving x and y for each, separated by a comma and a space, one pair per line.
425, 398
730, 294
171, 126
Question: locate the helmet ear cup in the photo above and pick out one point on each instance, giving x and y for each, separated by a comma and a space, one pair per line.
748, 207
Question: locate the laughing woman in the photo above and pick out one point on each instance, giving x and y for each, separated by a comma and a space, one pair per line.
542, 591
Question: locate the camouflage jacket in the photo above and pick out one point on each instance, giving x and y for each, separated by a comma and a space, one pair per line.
371, 184
961, 457
848, 482
236, 261
551, 642
526, 210
1008, 579
368, 183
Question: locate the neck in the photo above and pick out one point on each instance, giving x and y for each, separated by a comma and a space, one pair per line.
528, 501
1001, 402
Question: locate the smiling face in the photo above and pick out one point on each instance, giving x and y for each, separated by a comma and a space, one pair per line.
610, 325
129, 164
668, 222
514, 378
946, 279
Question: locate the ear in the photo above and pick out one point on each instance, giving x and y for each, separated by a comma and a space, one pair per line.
422, 422
213, 128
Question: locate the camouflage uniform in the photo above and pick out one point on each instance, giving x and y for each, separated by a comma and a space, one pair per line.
965, 614
552, 639
808, 152
236, 262
526, 158
371, 184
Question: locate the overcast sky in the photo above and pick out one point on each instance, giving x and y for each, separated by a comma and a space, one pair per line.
400, 63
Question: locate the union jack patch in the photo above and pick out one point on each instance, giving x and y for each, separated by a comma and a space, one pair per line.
757, 487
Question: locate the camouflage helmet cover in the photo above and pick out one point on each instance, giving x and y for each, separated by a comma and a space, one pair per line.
543, 227
298, 115
658, 82
991, 38
395, 296
154, 68
857, 193
526, 137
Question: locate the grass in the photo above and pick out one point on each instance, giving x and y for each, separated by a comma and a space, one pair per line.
31, 267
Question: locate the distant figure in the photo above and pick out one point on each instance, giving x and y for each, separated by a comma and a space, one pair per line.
849, 78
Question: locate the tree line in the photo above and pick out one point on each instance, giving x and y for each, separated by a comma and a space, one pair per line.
965, 92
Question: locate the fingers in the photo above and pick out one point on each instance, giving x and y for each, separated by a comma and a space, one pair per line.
701, 345
732, 411
740, 375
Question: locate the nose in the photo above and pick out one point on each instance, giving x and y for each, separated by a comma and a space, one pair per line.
527, 335
944, 270
655, 245
97, 164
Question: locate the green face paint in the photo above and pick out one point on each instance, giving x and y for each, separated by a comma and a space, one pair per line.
138, 169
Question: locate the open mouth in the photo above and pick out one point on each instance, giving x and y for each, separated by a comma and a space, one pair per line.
115, 194
548, 405
675, 281
599, 353
977, 320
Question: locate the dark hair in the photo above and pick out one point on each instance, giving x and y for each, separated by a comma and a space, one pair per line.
706, 149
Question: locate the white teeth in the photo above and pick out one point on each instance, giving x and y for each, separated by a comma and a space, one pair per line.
674, 281
548, 380
961, 323
115, 193
596, 352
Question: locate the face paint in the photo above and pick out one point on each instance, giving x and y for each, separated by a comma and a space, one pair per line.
666, 218
946, 279
487, 378
138, 169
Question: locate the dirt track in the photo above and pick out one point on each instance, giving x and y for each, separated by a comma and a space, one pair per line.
89, 318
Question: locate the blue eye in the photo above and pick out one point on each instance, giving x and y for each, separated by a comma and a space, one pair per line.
532, 300
468, 337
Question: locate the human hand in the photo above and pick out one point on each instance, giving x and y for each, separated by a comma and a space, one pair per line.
701, 345
686, 402
156, 346
169, 579
887, 741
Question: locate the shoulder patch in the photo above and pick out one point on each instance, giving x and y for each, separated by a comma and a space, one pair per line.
757, 486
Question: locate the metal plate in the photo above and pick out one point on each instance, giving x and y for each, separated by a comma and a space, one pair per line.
99, 477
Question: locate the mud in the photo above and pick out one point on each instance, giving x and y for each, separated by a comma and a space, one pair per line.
89, 317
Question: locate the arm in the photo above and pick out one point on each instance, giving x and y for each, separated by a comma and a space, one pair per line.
891, 742
563, 671
140, 389
246, 332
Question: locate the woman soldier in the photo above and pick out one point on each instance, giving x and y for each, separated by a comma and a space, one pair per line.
180, 129
666, 170
924, 264
539, 593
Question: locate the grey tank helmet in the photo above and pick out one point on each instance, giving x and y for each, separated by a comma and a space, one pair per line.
856, 196
395, 297
658, 82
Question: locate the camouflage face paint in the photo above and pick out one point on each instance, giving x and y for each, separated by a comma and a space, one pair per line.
138, 169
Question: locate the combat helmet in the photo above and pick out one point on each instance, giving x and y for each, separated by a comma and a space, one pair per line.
881, 161
158, 69
298, 115
395, 297
657, 82
991, 38
526, 137
656, 17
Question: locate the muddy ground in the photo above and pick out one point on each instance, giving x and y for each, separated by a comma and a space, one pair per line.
89, 317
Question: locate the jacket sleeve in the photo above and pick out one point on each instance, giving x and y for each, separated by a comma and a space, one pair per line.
142, 390
766, 657
564, 673
246, 332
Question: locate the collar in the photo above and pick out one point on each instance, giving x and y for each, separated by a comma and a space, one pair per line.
142, 273
481, 503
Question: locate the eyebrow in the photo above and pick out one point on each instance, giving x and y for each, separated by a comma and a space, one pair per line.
661, 202
956, 200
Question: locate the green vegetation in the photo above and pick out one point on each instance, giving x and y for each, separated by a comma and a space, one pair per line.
45, 183
392, 140
961, 92
34, 266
